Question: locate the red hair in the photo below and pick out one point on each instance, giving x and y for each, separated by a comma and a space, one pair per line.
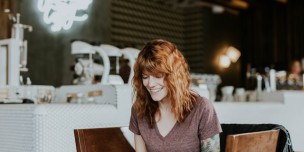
160, 57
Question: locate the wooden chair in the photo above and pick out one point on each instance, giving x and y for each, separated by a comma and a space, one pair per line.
263, 141
101, 140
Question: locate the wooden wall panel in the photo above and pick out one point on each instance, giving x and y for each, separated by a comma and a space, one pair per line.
194, 40
134, 22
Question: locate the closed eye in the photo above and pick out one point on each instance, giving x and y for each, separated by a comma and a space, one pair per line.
159, 75
144, 76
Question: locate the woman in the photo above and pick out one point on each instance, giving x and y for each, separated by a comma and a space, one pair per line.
166, 115
295, 70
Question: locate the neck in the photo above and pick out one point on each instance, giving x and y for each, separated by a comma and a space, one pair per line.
164, 105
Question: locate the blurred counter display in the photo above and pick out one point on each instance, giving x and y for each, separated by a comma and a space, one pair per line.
27, 94
272, 80
209, 81
289, 84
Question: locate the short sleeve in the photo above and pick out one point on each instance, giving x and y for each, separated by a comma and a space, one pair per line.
133, 125
209, 124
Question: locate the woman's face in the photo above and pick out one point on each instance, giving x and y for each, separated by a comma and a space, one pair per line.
155, 86
296, 67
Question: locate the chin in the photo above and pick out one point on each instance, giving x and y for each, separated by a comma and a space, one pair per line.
156, 98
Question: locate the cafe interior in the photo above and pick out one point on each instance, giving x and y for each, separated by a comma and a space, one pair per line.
63, 87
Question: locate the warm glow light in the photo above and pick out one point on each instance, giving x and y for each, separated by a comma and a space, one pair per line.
62, 13
224, 61
233, 53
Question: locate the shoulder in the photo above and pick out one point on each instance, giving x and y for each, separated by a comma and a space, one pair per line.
203, 106
135, 113
202, 102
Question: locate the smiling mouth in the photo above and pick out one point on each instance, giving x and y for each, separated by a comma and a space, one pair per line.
155, 90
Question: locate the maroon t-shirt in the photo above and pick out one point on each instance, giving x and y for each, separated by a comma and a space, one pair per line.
202, 123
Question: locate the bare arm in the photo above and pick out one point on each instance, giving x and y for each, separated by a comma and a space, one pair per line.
211, 144
139, 144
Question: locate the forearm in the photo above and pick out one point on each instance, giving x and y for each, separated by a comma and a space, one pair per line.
211, 144
139, 144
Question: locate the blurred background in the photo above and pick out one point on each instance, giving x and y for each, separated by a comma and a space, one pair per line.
246, 55
267, 33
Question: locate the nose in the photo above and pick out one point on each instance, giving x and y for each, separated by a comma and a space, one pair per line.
151, 82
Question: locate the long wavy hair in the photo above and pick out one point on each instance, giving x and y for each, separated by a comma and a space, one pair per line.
160, 57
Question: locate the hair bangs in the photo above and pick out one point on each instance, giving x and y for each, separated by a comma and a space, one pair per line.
150, 67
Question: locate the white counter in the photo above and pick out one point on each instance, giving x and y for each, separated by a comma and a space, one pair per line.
49, 127
287, 112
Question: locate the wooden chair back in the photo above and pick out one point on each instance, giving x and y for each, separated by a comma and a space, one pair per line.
101, 140
263, 141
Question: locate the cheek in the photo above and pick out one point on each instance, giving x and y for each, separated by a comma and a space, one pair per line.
161, 82
166, 87
166, 92
145, 82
